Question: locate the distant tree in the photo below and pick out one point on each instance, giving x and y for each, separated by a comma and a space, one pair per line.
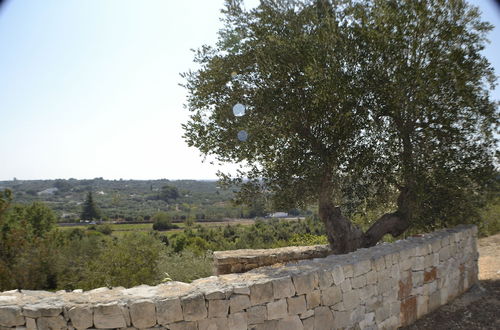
162, 221
168, 193
349, 104
62, 185
89, 209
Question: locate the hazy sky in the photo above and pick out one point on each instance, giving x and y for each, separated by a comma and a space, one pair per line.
89, 88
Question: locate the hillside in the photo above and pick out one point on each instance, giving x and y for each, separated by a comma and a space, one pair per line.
132, 200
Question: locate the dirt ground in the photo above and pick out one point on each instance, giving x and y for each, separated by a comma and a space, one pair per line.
479, 307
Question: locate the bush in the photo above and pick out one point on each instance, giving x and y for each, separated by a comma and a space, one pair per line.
163, 221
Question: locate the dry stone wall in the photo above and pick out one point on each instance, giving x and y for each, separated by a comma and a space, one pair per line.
384, 287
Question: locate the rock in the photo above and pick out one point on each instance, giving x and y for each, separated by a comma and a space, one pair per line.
323, 318
305, 283
183, 326
277, 309
256, 314
52, 323
218, 308
238, 303
296, 305
109, 316
331, 296
81, 317
261, 293
142, 313
10, 316
216, 323
193, 307
290, 323
283, 288
237, 321
169, 311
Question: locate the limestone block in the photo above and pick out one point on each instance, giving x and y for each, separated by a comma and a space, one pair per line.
339, 307
10, 316
305, 283
30, 324
323, 318
126, 314
308, 323
422, 305
193, 307
296, 305
331, 296
216, 323
267, 325
238, 303
350, 299
277, 309
371, 277
183, 326
257, 314
367, 292
436, 245
341, 319
395, 270
81, 316
307, 314
51, 322
338, 275
382, 312
43, 309
408, 313
261, 293
348, 270
283, 287
169, 311
291, 322
379, 263
362, 267
325, 279
242, 290
109, 316
406, 264
237, 321
142, 313
313, 299
428, 261
358, 282
444, 253
346, 285
218, 308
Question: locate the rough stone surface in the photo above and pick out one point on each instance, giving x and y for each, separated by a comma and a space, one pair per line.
81, 317
193, 307
108, 316
143, 314
10, 316
168, 311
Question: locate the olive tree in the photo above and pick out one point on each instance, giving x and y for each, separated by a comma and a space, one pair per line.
350, 103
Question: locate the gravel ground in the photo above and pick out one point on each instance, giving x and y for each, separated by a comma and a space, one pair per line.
479, 307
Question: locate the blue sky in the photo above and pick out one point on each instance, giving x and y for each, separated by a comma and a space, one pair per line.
89, 88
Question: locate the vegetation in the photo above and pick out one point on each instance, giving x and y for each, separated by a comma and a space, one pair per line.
89, 210
137, 200
35, 254
361, 107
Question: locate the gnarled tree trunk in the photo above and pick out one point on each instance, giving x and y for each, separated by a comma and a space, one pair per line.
346, 237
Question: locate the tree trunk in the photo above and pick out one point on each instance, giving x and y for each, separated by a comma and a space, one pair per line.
345, 237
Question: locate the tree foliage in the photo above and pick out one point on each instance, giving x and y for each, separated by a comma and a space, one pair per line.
351, 105
89, 209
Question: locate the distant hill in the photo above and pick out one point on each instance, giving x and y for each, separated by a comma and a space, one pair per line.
128, 199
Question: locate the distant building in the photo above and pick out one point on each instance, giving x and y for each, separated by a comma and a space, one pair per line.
278, 215
49, 191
